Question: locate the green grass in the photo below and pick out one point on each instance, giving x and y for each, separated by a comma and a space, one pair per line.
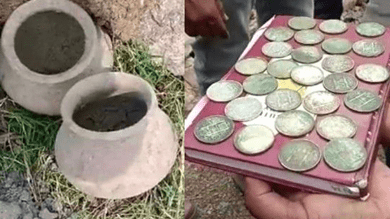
30, 151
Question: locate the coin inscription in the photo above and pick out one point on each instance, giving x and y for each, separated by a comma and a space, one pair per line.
362, 100
299, 155
345, 154
254, 139
321, 102
306, 54
372, 73
260, 84
281, 68
283, 100
333, 26
309, 37
336, 46
224, 91
338, 63
336, 126
250, 66
370, 29
214, 129
294, 123
276, 49
307, 75
243, 109
368, 48
340, 83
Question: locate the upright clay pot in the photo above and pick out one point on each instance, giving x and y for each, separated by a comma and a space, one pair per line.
46, 47
115, 164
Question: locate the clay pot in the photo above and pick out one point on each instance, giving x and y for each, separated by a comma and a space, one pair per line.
46, 47
115, 164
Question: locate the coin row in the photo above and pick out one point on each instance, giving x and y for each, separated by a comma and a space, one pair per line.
333, 26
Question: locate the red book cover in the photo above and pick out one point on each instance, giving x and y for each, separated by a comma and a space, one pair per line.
266, 165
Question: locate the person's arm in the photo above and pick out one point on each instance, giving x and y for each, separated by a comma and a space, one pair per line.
266, 201
205, 18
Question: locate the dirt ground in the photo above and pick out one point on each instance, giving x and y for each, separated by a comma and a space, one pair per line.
158, 23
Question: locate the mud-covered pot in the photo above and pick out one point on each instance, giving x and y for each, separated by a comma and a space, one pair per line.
46, 47
115, 164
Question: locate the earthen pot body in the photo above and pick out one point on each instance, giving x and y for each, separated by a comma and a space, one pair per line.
42, 93
115, 164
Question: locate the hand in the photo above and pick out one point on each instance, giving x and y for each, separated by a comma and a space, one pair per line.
205, 18
385, 127
264, 203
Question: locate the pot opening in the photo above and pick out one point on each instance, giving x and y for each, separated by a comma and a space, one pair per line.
50, 42
111, 113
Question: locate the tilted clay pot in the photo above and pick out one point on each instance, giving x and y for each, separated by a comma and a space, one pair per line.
115, 164
46, 47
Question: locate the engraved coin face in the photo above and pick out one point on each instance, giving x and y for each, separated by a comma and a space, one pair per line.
333, 26
307, 75
321, 102
301, 23
370, 29
294, 123
368, 48
336, 126
338, 63
306, 54
279, 34
281, 68
345, 154
372, 73
253, 139
340, 83
362, 101
243, 109
224, 91
250, 66
276, 49
309, 37
214, 129
260, 84
337, 46
299, 155
283, 100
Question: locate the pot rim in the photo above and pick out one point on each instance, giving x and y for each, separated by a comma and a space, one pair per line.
22, 13
111, 80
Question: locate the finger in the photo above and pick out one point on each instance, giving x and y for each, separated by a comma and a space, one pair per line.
290, 193
264, 203
379, 185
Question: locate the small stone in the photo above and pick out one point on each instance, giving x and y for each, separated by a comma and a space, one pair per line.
9, 210
25, 196
46, 214
28, 216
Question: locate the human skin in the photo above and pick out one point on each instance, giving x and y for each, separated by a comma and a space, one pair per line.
267, 201
205, 18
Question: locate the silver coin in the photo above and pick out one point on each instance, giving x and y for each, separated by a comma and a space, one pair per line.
243, 109
224, 91
321, 102
253, 139
299, 155
283, 100
336, 126
340, 83
281, 68
279, 34
333, 26
372, 73
368, 48
370, 29
309, 37
301, 23
260, 84
214, 129
338, 63
307, 75
362, 101
294, 123
345, 154
336, 46
250, 66
276, 49
306, 54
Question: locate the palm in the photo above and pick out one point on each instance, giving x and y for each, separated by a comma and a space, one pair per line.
264, 203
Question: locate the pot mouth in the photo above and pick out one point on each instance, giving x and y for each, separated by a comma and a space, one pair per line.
49, 41
102, 86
